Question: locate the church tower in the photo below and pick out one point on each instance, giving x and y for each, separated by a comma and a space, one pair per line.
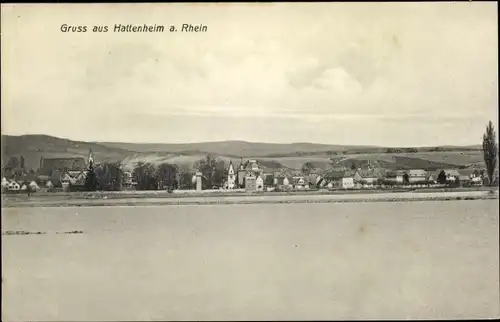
91, 158
231, 177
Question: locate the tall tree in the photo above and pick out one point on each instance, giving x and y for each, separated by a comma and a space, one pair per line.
406, 178
110, 176
269, 180
145, 176
490, 150
219, 174
21, 162
13, 163
307, 168
91, 179
185, 178
212, 170
441, 179
166, 175
139, 174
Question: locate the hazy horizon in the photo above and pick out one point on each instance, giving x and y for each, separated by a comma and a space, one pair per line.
365, 74
243, 141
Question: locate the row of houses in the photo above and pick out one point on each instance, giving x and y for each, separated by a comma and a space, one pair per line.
59, 174
251, 177
59, 180
19, 185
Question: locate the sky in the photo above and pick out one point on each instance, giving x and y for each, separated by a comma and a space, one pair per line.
385, 74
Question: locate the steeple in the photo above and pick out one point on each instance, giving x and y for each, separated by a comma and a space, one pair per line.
91, 159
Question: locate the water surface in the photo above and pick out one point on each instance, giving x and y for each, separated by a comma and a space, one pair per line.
262, 261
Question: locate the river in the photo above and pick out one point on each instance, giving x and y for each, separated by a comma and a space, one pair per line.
384, 260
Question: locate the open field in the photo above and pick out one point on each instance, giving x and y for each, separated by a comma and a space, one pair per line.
398, 260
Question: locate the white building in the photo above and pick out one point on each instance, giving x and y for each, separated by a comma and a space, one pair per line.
14, 186
451, 175
348, 182
34, 186
231, 177
259, 184
477, 180
417, 176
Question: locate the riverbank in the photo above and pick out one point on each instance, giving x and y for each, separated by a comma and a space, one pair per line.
108, 200
223, 193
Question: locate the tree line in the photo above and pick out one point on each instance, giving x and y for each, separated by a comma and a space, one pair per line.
148, 176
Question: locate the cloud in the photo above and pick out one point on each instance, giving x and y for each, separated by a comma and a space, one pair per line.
375, 65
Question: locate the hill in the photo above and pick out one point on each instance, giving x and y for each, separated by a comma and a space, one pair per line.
271, 155
234, 148
32, 147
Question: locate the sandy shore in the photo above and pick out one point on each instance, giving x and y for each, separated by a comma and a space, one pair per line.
124, 200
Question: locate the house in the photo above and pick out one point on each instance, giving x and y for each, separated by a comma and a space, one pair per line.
367, 177
26, 179
299, 182
14, 186
348, 180
339, 178
475, 175
417, 176
320, 182
259, 184
42, 179
334, 177
231, 177
310, 181
250, 183
5, 183
75, 178
285, 182
250, 168
451, 175
470, 176
477, 181
464, 179
33, 186
394, 177
49, 185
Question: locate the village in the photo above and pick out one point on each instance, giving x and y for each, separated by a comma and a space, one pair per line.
70, 174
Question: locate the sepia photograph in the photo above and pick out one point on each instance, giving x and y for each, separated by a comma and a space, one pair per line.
250, 161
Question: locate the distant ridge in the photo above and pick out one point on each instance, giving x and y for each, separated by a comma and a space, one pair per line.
233, 147
33, 146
